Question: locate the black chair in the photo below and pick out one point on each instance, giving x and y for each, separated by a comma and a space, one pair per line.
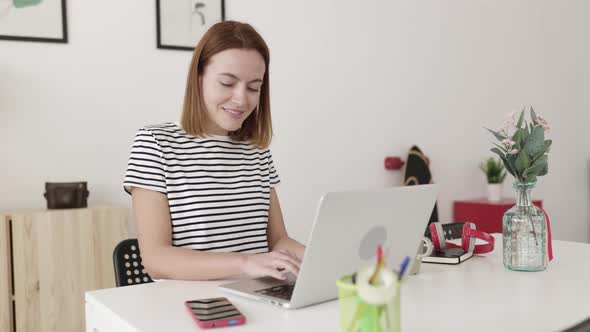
127, 263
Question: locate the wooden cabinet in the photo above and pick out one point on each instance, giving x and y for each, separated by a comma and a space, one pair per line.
49, 258
6, 322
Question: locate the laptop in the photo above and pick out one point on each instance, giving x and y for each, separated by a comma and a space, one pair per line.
346, 231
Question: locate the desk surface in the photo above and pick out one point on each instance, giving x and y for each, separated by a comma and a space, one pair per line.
477, 295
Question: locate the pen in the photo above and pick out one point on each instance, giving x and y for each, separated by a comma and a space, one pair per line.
403, 267
373, 278
361, 309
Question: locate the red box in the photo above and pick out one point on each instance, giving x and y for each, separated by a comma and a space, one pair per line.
486, 215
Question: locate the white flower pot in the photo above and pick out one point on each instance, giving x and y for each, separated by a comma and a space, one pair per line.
494, 192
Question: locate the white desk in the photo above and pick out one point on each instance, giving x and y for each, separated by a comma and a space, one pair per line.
477, 295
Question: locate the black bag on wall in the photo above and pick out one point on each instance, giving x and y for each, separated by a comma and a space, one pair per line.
66, 195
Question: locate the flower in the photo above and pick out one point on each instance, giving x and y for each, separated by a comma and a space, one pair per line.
508, 124
541, 122
522, 145
508, 143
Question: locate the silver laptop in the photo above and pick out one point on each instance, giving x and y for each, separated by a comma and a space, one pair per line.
345, 234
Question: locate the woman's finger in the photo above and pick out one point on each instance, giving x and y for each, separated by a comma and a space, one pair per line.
287, 265
283, 256
272, 272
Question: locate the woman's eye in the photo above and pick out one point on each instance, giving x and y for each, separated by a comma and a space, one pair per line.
253, 89
226, 84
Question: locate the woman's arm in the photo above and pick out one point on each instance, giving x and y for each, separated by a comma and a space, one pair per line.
162, 260
276, 233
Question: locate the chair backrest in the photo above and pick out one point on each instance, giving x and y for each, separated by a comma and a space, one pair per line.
127, 263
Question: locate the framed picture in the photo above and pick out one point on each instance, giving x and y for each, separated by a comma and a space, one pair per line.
34, 20
182, 23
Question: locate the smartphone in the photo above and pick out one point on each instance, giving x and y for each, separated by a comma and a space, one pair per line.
214, 312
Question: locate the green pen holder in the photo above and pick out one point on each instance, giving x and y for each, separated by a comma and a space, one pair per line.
377, 312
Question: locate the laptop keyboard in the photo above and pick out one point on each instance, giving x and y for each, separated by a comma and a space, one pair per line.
282, 292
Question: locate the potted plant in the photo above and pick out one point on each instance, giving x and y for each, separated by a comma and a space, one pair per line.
495, 174
524, 152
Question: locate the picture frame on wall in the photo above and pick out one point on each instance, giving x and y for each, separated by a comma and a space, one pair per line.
180, 24
34, 20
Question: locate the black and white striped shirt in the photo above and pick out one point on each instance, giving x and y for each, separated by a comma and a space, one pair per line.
218, 189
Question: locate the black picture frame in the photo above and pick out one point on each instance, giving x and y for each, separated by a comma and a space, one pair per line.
64, 31
159, 29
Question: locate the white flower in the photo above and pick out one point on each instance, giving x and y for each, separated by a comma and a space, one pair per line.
508, 143
508, 124
501, 131
514, 151
541, 121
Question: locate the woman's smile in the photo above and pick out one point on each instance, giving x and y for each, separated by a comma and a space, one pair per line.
234, 113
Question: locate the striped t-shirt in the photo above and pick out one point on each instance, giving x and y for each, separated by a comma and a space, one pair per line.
218, 189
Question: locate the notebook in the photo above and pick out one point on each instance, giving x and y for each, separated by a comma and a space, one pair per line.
448, 256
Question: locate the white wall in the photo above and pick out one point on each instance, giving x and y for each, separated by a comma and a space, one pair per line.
352, 82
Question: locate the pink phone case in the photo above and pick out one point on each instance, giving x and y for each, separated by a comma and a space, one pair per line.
216, 323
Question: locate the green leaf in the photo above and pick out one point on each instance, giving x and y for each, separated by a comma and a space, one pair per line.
511, 171
499, 136
519, 137
509, 162
500, 147
534, 115
531, 126
543, 159
498, 152
536, 168
522, 162
548, 145
535, 142
538, 155
520, 118
545, 170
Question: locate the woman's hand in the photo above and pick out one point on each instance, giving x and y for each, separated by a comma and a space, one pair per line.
275, 264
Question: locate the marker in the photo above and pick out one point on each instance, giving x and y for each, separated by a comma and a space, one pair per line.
379, 266
403, 267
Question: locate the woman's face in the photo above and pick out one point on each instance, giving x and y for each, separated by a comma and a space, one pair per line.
231, 88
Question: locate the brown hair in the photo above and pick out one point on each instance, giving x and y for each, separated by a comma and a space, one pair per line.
257, 127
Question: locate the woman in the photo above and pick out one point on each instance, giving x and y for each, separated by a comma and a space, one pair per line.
203, 189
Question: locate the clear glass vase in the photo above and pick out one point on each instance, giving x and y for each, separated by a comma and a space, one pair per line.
524, 233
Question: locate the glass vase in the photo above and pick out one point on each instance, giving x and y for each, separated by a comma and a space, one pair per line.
524, 233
